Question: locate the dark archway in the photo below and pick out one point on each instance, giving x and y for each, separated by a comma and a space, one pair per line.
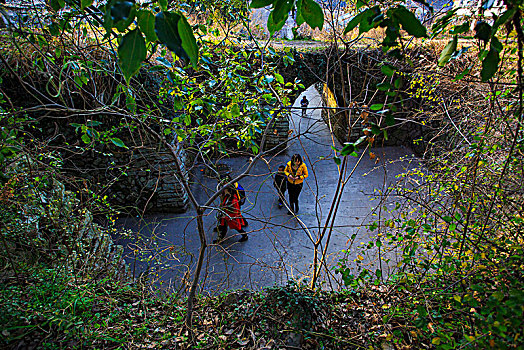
352, 77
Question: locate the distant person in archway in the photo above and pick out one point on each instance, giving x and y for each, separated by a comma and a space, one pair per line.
304, 103
296, 172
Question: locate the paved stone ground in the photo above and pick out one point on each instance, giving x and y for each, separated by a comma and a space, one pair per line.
279, 245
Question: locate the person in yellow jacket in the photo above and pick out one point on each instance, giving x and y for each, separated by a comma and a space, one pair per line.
296, 172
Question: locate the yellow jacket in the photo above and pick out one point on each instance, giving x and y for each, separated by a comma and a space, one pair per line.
301, 173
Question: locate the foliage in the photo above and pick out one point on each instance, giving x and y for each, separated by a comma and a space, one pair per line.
207, 93
295, 300
52, 309
308, 11
457, 281
453, 245
235, 102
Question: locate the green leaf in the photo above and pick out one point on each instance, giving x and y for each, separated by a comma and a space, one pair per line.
281, 10
498, 295
85, 3
298, 18
177, 103
447, 52
146, 23
279, 78
272, 26
163, 4
278, 16
118, 142
392, 35
312, 14
54, 30
390, 120
57, 4
131, 53
375, 129
483, 31
235, 110
256, 4
122, 14
130, 103
360, 4
166, 29
504, 18
409, 22
78, 80
363, 19
108, 22
490, 65
337, 160
384, 86
86, 139
398, 82
188, 40
496, 44
347, 149
355, 21
463, 28
388, 70
376, 107
368, 20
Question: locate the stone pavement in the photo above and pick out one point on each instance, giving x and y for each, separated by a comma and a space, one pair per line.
279, 246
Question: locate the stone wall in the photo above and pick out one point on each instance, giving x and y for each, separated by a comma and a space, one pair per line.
150, 182
403, 133
278, 133
139, 178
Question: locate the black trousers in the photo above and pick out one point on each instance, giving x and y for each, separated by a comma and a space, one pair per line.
294, 192
222, 229
281, 190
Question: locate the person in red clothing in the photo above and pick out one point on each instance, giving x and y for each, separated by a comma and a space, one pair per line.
230, 215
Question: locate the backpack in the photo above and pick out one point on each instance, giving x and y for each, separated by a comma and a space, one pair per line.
241, 193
